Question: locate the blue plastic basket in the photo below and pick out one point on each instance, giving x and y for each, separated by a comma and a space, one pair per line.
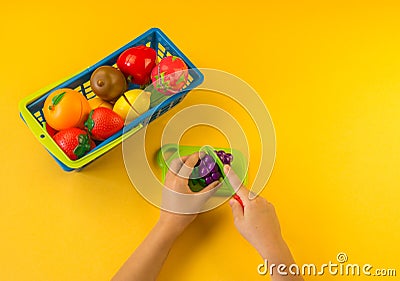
31, 106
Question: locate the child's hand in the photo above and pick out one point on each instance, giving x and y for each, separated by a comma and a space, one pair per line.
180, 205
257, 221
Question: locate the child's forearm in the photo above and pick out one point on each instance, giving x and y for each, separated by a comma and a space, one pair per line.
147, 260
277, 255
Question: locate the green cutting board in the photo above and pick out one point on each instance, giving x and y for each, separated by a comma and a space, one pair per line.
169, 152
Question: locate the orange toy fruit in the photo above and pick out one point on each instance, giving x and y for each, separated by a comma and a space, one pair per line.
98, 102
66, 108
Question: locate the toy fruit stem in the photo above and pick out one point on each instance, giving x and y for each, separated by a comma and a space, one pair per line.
89, 124
126, 99
237, 198
56, 99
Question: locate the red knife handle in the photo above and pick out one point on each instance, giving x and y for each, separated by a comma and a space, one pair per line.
237, 198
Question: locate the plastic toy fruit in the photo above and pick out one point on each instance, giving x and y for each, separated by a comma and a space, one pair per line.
74, 142
66, 108
103, 123
108, 83
207, 170
98, 102
137, 63
49, 129
170, 75
136, 100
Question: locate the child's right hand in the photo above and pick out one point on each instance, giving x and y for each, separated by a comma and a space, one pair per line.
257, 222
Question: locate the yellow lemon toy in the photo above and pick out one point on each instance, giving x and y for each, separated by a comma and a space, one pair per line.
135, 102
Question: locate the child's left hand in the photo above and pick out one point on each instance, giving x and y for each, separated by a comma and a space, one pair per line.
180, 205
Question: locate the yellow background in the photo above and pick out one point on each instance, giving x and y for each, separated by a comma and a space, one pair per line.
329, 72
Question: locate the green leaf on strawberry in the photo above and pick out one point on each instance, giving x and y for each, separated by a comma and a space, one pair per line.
83, 146
89, 124
181, 79
162, 74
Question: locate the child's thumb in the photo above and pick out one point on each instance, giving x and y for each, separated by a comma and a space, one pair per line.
237, 209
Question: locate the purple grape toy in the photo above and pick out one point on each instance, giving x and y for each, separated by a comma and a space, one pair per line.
207, 171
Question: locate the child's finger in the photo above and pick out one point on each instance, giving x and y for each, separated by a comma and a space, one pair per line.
188, 165
235, 182
237, 185
214, 185
237, 210
243, 193
177, 164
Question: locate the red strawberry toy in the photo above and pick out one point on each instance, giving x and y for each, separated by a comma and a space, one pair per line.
74, 142
170, 75
103, 123
51, 131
